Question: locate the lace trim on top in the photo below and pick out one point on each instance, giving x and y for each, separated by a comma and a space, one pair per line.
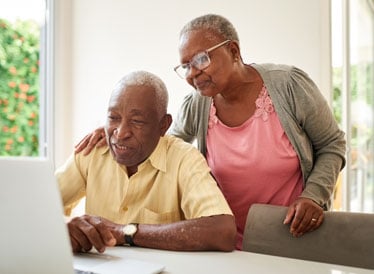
264, 107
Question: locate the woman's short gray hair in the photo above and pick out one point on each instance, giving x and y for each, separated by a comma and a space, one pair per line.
213, 22
145, 78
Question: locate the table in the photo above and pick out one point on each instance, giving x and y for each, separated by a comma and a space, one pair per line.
178, 262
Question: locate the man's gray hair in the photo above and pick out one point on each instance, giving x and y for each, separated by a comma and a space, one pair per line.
145, 78
213, 22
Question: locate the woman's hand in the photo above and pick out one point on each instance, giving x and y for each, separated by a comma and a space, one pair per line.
95, 138
303, 215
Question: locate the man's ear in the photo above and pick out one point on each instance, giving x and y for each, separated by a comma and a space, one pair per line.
165, 123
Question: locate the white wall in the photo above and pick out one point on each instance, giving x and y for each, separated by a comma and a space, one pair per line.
105, 39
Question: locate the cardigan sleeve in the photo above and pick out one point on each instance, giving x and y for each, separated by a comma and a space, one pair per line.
327, 140
182, 126
192, 120
316, 121
309, 125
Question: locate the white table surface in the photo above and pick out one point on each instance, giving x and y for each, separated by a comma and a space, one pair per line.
177, 262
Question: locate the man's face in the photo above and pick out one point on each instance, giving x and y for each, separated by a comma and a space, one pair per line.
133, 125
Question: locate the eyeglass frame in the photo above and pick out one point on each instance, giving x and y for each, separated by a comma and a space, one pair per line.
207, 54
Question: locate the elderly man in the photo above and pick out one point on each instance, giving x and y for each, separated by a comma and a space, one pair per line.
144, 188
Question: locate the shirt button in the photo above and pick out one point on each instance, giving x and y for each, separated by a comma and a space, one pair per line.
125, 208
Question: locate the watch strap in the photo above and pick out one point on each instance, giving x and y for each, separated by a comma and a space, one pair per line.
129, 240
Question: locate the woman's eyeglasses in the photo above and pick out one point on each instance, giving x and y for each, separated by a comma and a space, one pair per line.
200, 61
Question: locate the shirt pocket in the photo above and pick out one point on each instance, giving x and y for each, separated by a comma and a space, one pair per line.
149, 216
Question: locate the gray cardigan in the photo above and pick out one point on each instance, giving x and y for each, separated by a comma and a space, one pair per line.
305, 117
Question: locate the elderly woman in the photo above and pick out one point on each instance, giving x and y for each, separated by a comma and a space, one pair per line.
266, 130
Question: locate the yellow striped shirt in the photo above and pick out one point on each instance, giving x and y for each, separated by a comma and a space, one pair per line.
173, 184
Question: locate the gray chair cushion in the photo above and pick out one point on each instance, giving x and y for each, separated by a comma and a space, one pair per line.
344, 238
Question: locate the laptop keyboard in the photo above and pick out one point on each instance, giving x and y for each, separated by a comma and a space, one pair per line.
78, 271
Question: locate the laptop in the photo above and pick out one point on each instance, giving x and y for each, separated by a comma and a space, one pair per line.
33, 234
34, 237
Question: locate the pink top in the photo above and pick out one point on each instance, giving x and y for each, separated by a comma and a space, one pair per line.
254, 162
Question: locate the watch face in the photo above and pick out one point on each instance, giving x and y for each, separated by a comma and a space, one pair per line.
129, 229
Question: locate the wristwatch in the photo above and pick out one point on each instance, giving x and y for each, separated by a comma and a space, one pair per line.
129, 231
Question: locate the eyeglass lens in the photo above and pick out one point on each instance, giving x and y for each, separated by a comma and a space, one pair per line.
200, 61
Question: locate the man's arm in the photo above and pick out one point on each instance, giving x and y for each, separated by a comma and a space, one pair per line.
216, 232
206, 233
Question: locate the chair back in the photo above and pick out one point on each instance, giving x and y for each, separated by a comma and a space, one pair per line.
344, 238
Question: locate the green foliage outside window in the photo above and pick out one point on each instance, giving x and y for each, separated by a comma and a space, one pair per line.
361, 89
19, 88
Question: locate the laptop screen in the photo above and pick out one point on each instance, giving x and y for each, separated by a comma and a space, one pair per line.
33, 236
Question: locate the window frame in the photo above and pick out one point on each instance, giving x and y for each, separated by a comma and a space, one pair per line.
46, 128
346, 102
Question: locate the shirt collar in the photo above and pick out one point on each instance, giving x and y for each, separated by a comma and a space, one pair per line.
158, 156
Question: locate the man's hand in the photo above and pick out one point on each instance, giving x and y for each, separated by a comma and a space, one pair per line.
92, 231
304, 215
96, 138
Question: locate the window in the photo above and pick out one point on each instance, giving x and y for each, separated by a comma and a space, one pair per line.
353, 83
25, 43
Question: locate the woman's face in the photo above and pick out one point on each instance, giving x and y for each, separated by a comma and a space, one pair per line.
213, 79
